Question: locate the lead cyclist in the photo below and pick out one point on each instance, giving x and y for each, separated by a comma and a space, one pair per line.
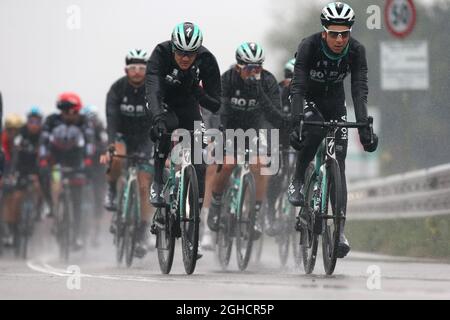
323, 61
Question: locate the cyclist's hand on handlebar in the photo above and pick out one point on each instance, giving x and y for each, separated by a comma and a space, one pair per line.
294, 139
159, 128
369, 141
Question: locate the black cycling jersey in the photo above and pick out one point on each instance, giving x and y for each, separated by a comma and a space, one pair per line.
25, 152
185, 98
55, 128
243, 106
125, 110
285, 91
319, 76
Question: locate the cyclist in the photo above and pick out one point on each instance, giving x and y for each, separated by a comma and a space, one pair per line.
250, 96
174, 93
24, 163
13, 123
323, 60
96, 175
128, 132
275, 184
67, 140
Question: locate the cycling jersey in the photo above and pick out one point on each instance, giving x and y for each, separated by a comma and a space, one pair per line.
184, 99
25, 152
68, 144
125, 110
245, 107
175, 96
319, 76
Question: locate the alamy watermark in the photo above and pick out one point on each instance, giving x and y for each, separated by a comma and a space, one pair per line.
74, 279
374, 280
73, 21
228, 148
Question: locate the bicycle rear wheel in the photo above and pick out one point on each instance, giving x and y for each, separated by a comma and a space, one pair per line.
245, 222
224, 234
309, 239
190, 219
131, 223
330, 238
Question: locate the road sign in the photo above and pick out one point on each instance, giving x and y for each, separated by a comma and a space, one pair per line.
404, 65
400, 17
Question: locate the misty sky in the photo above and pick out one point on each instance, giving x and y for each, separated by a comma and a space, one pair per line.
42, 57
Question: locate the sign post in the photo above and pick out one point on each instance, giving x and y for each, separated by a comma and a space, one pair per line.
400, 17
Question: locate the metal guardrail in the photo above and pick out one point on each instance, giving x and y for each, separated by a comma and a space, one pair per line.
414, 194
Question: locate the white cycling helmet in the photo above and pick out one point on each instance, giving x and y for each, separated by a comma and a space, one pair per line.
289, 68
250, 53
187, 37
338, 13
136, 56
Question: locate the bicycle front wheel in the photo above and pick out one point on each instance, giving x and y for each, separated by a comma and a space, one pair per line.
64, 222
309, 239
224, 234
131, 223
245, 222
189, 219
25, 228
333, 198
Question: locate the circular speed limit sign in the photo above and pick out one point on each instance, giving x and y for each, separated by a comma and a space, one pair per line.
400, 17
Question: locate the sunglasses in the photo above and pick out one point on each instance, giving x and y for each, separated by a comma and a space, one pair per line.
137, 67
34, 122
69, 111
251, 67
189, 54
335, 34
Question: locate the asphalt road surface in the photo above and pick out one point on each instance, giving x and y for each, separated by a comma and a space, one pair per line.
358, 276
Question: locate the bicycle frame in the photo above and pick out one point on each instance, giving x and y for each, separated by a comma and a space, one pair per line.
131, 177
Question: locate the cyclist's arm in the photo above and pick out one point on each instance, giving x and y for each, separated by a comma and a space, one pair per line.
44, 140
359, 81
154, 83
112, 114
225, 99
15, 153
299, 83
209, 97
271, 103
89, 135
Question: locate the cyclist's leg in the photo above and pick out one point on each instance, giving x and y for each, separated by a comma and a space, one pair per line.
261, 182
219, 184
312, 137
341, 153
114, 174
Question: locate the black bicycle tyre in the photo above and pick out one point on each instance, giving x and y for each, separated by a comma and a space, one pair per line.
165, 255
309, 238
330, 241
64, 232
244, 256
224, 244
131, 224
190, 225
